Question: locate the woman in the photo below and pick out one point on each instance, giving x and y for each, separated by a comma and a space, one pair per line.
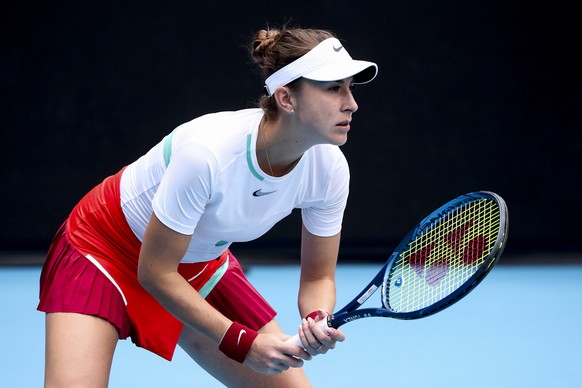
145, 254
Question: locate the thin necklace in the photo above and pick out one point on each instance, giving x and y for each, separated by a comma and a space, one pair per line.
262, 126
268, 161
288, 168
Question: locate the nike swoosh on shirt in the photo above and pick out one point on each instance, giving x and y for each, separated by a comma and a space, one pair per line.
243, 331
337, 49
260, 193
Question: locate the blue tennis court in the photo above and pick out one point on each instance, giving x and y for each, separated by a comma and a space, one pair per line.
519, 328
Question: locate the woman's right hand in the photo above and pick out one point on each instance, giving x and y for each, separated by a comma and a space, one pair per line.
270, 354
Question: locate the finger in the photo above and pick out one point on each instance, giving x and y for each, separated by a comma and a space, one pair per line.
283, 362
293, 362
315, 345
318, 332
276, 369
336, 334
310, 329
328, 336
297, 352
320, 348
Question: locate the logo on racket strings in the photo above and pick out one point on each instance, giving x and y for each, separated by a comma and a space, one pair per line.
398, 282
436, 269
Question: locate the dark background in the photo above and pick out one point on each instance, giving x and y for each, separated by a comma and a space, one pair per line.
471, 95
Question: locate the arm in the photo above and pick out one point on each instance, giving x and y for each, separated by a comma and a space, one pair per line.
161, 252
317, 289
318, 264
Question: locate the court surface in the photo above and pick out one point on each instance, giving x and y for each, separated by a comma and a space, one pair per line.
520, 328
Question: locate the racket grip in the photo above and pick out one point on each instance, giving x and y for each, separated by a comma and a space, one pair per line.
295, 340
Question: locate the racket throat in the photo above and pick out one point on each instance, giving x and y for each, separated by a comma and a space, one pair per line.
366, 295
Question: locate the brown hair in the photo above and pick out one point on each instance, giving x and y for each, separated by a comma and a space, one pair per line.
273, 49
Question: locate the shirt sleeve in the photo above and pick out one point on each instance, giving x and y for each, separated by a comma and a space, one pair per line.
325, 219
185, 188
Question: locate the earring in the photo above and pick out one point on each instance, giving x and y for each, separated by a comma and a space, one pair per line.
292, 110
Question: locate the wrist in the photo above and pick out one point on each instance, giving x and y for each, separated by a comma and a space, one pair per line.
311, 315
237, 341
315, 313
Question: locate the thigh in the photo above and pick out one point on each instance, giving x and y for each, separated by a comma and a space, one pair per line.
230, 372
79, 350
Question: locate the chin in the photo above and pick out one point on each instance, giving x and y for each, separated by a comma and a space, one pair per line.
340, 140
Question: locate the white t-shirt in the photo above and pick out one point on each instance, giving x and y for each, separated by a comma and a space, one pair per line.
204, 180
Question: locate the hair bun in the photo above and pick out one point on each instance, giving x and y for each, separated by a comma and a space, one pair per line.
264, 41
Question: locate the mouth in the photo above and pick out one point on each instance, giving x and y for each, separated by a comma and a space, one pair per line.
344, 125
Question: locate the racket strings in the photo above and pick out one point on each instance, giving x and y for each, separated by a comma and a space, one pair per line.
445, 255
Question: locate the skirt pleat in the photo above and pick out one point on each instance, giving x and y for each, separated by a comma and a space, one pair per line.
71, 283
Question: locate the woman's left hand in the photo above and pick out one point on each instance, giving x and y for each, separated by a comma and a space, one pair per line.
318, 340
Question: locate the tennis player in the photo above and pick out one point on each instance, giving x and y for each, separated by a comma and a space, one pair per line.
145, 254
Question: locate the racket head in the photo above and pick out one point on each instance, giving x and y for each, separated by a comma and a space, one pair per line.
445, 256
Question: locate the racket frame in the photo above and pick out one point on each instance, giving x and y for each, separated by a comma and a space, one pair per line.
350, 311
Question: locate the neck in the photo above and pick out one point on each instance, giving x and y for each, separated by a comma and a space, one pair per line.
276, 153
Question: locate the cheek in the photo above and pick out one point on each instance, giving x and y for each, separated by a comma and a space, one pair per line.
319, 112
312, 114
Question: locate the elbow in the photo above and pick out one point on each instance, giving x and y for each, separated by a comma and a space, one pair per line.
145, 276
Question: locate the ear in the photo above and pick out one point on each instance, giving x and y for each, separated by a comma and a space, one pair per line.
284, 97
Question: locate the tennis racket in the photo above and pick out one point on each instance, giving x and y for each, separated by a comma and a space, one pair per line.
439, 262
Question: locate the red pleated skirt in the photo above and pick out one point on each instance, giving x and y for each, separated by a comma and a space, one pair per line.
91, 268
69, 282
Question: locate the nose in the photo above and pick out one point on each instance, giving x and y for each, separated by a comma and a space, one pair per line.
350, 104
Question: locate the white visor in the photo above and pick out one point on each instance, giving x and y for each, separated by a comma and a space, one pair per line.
328, 61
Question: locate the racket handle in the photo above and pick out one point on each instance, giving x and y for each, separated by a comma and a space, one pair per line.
295, 340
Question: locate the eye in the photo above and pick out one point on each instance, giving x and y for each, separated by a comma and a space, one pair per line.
339, 87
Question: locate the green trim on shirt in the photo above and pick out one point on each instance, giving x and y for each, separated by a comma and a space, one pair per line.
250, 159
168, 148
